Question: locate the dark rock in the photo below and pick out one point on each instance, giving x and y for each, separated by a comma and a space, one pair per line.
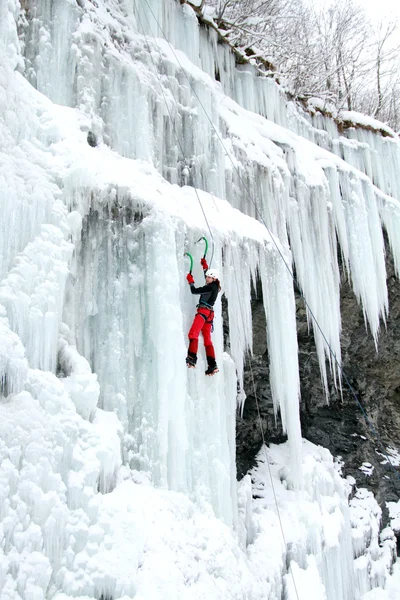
91, 139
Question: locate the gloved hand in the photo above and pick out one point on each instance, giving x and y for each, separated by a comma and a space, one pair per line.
204, 264
190, 278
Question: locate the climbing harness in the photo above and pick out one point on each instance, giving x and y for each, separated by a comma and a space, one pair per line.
207, 318
207, 306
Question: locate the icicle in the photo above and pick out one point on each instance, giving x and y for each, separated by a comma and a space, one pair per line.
366, 249
280, 313
389, 210
237, 288
313, 243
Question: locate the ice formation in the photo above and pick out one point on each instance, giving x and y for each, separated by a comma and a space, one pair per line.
117, 476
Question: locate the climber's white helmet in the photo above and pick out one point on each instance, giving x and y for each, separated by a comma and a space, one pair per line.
214, 273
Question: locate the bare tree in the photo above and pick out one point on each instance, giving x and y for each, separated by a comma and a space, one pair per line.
385, 66
257, 23
378, 92
333, 52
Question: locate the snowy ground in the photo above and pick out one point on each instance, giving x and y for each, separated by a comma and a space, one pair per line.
61, 538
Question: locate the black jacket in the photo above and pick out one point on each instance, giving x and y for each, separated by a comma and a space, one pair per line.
209, 293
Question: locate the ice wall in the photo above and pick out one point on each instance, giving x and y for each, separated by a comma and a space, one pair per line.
63, 530
145, 74
125, 306
157, 100
95, 309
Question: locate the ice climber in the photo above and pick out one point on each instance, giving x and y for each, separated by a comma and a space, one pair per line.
203, 321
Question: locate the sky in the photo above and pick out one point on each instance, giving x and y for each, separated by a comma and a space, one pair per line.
375, 8
387, 8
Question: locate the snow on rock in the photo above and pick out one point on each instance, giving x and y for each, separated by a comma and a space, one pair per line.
349, 116
314, 523
374, 552
391, 591
322, 532
394, 511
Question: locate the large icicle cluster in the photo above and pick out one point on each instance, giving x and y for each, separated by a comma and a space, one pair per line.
114, 458
147, 99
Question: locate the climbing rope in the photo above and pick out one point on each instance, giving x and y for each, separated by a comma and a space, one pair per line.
240, 304
265, 446
170, 116
296, 284
261, 218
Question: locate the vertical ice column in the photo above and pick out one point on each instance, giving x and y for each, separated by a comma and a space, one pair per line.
9, 43
366, 248
338, 212
378, 156
210, 417
169, 20
126, 107
237, 284
389, 210
217, 60
131, 331
280, 312
313, 243
167, 359
152, 13
50, 52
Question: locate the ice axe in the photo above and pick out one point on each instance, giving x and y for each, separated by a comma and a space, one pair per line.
191, 260
206, 245
205, 252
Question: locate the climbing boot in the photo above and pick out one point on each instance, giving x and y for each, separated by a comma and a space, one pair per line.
212, 366
191, 360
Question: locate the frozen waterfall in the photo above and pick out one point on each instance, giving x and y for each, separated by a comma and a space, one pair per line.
118, 476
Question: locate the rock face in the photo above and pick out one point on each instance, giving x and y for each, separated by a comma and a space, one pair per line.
339, 425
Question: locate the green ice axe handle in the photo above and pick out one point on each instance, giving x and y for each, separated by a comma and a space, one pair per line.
206, 242
191, 260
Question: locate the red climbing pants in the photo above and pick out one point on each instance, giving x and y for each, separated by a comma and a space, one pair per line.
202, 323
